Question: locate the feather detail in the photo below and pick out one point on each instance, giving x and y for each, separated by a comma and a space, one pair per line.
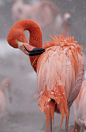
60, 72
45, 103
62, 41
70, 44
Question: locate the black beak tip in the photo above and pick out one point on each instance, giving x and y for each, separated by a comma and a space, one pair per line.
36, 51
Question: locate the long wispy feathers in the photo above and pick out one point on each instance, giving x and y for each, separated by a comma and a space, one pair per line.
60, 72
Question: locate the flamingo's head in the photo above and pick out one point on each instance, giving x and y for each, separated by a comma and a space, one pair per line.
67, 18
17, 39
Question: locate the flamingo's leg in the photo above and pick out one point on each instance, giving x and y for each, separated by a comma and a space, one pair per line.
82, 130
66, 126
50, 125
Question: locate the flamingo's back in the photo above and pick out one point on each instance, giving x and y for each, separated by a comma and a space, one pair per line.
60, 72
80, 107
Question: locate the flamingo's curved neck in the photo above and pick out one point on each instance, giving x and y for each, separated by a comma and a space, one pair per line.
35, 38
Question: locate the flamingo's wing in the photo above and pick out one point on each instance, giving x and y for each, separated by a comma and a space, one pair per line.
77, 86
79, 106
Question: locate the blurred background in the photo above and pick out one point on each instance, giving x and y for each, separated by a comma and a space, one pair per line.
22, 112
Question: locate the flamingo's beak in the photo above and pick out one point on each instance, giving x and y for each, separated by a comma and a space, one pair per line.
35, 51
30, 50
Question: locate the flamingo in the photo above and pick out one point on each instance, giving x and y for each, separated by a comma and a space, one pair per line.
66, 22
59, 67
20, 10
5, 83
79, 110
45, 13
42, 11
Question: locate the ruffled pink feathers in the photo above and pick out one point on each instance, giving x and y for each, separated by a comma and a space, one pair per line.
45, 103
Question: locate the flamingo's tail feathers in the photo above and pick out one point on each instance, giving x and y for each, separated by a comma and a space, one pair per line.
48, 107
54, 100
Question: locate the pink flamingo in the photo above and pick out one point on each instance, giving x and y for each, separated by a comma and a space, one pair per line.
59, 66
45, 13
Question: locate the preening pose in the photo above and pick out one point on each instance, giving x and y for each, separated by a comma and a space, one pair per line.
59, 66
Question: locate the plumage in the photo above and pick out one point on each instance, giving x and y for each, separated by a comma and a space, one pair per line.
60, 73
59, 69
